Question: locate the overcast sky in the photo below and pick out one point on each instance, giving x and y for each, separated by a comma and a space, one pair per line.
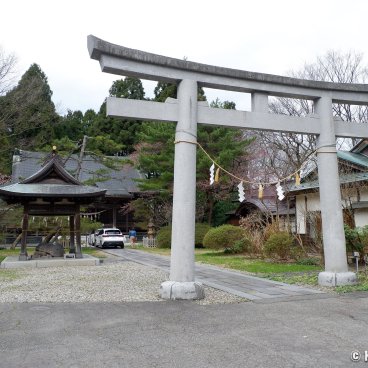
266, 36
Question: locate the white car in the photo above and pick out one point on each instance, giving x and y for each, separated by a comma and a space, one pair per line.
110, 237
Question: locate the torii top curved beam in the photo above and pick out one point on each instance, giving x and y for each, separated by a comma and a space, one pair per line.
121, 60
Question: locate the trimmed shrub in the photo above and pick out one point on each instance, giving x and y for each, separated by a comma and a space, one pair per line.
279, 245
223, 236
243, 245
355, 238
164, 235
201, 229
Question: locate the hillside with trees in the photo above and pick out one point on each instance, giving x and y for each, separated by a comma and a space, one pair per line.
29, 121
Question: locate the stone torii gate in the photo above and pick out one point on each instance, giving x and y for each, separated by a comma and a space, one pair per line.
187, 112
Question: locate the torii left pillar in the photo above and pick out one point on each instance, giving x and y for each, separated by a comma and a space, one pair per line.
182, 284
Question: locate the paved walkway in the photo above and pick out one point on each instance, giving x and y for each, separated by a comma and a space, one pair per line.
237, 283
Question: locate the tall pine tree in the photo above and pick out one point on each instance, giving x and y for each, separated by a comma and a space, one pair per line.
27, 114
156, 155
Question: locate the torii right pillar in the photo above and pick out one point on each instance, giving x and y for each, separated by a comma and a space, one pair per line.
336, 267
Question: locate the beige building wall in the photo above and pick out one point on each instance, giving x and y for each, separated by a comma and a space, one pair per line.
310, 203
305, 203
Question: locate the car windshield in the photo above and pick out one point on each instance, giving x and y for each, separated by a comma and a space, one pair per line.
113, 232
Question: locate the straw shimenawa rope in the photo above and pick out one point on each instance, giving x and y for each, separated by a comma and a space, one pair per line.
295, 173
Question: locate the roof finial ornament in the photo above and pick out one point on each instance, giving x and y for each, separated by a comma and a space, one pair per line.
53, 156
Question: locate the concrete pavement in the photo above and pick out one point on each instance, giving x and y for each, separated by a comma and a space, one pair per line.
300, 333
302, 330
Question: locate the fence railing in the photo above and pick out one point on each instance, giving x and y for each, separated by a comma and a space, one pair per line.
149, 242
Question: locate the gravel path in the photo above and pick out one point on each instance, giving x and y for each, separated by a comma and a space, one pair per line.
110, 282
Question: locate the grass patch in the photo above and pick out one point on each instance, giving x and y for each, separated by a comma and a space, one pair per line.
12, 252
15, 252
94, 252
242, 263
361, 286
160, 251
305, 279
312, 279
167, 251
239, 262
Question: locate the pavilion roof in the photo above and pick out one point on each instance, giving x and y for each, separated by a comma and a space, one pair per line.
51, 180
50, 190
118, 182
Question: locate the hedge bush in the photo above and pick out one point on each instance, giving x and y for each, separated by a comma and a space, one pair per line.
356, 239
243, 245
223, 236
164, 235
201, 230
279, 245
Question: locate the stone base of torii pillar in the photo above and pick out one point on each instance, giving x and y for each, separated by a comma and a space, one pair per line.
181, 290
337, 278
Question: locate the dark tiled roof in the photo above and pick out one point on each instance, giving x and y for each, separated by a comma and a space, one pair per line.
51, 180
268, 205
354, 158
344, 179
119, 182
52, 172
50, 190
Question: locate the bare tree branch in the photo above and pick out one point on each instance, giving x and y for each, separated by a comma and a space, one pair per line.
7, 71
280, 154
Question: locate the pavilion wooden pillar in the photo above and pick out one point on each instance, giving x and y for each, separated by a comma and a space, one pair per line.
78, 250
72, 234
126, 222
114, 215
23, 250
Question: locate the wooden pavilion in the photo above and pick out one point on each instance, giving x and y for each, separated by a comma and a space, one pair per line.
52, 191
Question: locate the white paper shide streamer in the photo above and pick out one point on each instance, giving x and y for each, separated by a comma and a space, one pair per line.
212, 174
241, 192
280, 192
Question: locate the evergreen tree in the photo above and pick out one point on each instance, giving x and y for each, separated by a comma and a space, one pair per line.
127, 88
123, 133
156, 155
71, 126
27, 114
164, 90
